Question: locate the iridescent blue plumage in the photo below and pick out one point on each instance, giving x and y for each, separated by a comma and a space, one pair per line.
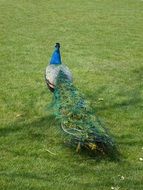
56, 57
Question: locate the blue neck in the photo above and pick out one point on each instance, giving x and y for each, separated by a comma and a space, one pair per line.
56, 57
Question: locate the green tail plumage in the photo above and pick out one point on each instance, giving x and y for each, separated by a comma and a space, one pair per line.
78, 122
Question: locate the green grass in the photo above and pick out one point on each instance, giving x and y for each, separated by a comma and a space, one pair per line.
103, 46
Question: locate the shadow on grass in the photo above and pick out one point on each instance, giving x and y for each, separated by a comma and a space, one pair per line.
26, 175
42, 123
124, 98
130, 140
131, 98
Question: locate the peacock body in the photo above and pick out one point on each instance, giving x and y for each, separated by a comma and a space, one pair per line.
81, 127
53, 69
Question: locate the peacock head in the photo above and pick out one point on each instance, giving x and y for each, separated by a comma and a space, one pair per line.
56, 56
57, 45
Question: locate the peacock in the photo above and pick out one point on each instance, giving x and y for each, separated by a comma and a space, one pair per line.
81, 127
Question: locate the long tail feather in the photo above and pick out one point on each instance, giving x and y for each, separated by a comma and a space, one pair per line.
78, 122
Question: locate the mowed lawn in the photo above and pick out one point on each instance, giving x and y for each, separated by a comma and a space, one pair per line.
102, 44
